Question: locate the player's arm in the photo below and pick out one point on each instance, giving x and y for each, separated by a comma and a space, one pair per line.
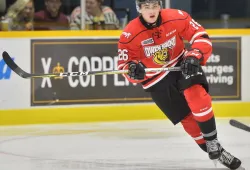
196, 35
129, 59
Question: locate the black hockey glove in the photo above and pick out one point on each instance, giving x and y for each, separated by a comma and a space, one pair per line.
191, 63
136, 71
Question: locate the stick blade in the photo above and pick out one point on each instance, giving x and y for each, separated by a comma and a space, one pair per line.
13, 66
239, 125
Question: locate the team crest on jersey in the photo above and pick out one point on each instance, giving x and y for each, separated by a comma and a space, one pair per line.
161, 54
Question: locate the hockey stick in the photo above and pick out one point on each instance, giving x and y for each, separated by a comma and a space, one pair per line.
239, 125
13, 66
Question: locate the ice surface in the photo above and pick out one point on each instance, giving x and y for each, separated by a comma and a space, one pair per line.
147, 145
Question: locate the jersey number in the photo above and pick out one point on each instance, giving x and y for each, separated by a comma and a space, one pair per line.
123, 54
195, 24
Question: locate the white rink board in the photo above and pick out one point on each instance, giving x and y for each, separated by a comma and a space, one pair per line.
245, 71
15, 92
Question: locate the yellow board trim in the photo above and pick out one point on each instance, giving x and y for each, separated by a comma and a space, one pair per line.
105, 33
107, 113
58, 34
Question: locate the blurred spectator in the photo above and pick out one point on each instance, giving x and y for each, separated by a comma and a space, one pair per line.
19, 16
97, 17
2, 6
51, 17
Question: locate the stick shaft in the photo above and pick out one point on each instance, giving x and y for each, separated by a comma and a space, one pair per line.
87, 73
24, 74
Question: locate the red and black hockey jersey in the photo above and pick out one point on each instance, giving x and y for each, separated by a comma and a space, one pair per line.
161, 46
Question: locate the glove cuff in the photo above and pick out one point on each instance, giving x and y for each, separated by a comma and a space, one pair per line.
133, 61
194, 53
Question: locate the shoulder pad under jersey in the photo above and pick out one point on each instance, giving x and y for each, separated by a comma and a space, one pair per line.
131, 31
173, 14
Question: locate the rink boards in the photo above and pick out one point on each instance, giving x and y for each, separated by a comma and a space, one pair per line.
105, 98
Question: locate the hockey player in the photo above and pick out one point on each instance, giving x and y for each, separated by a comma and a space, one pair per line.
155, 39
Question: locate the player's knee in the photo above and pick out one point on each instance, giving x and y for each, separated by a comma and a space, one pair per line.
199, 102
197, 98
196, 93
191, 127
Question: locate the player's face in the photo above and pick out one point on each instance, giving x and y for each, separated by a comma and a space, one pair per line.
150, 11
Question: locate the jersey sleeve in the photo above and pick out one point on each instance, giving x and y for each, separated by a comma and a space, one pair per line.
128, 51
195, 34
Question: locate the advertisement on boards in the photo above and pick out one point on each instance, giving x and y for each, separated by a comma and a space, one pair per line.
79, 55
223, 69
64, 55
5, 71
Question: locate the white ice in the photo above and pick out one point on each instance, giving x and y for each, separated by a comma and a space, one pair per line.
133, 145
